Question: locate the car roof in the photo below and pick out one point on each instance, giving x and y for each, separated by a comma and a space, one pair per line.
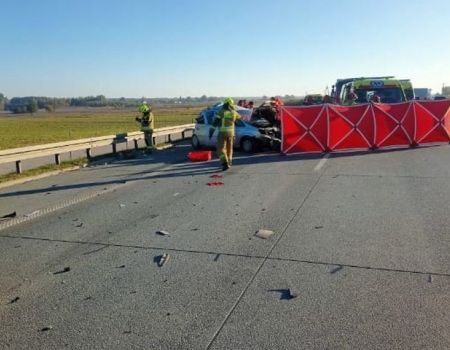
219, 106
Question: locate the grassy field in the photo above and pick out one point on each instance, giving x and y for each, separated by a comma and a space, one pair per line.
26, 130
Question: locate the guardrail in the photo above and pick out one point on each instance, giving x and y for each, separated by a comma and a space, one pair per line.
17, 155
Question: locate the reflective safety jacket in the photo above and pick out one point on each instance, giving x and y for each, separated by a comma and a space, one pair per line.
225, 121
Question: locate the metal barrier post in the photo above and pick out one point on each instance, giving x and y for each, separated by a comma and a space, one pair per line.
19, 167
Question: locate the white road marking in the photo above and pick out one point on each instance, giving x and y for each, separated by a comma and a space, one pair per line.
322, 162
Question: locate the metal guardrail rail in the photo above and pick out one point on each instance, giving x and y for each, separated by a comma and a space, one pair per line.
17, 155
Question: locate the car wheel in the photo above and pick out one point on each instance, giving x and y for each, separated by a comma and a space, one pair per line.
248, 145
195, 142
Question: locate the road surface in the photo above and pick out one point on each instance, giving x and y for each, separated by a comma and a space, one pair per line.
362, 240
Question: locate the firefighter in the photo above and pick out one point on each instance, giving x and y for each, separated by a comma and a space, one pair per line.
351, 98
224, 120
376, 99
327, 99
147, 123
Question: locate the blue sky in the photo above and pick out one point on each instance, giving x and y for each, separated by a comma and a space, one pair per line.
161, 48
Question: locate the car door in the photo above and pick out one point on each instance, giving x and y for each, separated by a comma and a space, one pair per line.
201, 129
239, 129
211, 142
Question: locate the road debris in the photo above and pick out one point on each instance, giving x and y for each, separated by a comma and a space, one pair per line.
79, 225
161, 259
176, 194
9, 216
15, 300
337, 269
122, 205
215, 183
430, 279
66, 269
318, 227
32, 213
285, 293
162, 233
120, 267
264, 234
195, 229
45, 329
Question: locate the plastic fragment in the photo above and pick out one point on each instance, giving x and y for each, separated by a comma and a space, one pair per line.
264, 234
15, 300
337, 269
215, 183
66, 269
285, 293
162, 233
162, 259
9, 216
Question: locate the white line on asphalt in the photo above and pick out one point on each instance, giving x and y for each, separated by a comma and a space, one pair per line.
322, 162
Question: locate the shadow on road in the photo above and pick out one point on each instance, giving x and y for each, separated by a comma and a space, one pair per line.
174, 165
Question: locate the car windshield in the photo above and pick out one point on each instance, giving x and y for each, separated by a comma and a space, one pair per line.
388, 95
210, 116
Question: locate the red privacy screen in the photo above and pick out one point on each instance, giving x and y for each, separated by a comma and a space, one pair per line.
327, 127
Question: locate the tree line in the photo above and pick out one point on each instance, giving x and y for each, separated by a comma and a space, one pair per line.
31, 104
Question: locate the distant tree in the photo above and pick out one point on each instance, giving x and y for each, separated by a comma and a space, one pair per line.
32, 106
2, 102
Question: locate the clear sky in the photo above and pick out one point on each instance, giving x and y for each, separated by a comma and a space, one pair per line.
158, 48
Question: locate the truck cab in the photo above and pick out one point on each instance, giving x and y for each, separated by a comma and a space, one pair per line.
389, 89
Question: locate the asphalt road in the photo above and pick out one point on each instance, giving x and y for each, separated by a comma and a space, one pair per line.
361, 239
